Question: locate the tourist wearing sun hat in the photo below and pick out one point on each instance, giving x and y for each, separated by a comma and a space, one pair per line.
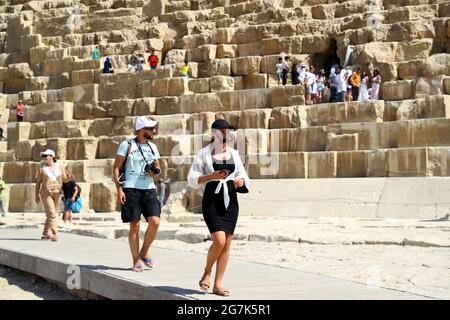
49, 179
135, 166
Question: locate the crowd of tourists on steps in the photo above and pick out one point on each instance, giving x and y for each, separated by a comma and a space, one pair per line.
341, 84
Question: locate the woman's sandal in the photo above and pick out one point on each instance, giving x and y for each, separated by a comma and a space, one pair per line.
148, 262
138, 267
45, 237
222, 292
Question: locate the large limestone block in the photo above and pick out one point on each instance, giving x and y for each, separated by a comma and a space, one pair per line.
409, 109
91, 170
144, 107
314, 44
200, 85
411, 162
437, 106
414, 50
56, 144
172, 123
438, 162
66, 129
288, 117
178, 86
200, 102
202, 53
85, 93
377, 163
107, 147
220, 83
160, 87
226, 51
18, 131
54, 111
398, 90
280, 95
322, 164
16, 77
249, 49
174, 145
168, 105
101, 127
255, 119
21, 199
342, 142
409, 70
24, 149
120, 108
175, 56
245, 99
253, 81
245, 65
447, 85
199, 123
216, 67
370, 135
429, 86
83, 77
351, 164
437, 64
103, 197
82, 148
37, 130
298, 139
423, 133
124, 126
367, 111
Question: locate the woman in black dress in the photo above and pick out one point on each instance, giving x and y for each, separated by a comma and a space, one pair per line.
219, 169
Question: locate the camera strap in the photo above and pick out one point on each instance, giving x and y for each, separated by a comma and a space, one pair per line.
140, 149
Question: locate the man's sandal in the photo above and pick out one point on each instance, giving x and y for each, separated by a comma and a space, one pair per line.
148, 262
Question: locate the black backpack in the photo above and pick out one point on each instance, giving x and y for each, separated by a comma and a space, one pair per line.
122, 169
79, 192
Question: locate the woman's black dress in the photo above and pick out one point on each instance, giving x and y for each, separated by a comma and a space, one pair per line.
216, 216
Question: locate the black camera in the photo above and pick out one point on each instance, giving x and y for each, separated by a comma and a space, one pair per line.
152, 168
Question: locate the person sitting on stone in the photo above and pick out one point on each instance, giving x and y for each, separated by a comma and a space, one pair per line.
107, 67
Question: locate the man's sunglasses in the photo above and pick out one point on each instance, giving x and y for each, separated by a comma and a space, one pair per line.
45, 155
150, 128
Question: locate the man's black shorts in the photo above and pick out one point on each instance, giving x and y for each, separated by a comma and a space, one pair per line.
139, 201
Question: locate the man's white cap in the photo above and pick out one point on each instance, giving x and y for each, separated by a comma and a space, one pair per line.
48, 152
145, 122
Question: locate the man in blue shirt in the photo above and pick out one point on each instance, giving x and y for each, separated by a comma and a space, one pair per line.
137, 194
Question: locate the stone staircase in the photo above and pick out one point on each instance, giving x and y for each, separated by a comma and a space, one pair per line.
232, 47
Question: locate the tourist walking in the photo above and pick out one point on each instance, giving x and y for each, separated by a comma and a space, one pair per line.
135, 166
334, 83
95, 53
71, 193
49, 180
219, 170
295, 75
320, 80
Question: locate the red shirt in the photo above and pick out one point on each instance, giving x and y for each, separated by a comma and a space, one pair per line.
20, 108
153, 60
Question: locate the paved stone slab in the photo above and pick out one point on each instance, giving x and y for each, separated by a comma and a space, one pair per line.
105, 264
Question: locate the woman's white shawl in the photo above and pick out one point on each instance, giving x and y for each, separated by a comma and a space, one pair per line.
203, 165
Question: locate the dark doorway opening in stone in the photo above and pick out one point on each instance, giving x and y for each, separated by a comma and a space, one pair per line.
324, 60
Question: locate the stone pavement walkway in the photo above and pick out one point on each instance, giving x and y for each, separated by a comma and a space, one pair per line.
104, 269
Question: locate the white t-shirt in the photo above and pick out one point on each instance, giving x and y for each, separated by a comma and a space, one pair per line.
310, 78
279, 67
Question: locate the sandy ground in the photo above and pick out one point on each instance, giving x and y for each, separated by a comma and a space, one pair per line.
403, 254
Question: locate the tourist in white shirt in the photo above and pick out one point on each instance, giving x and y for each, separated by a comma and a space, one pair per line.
279, 70
311, 86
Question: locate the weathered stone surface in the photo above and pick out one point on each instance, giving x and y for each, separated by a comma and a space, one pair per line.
342, 142
245, 65
219, 83
398, 90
